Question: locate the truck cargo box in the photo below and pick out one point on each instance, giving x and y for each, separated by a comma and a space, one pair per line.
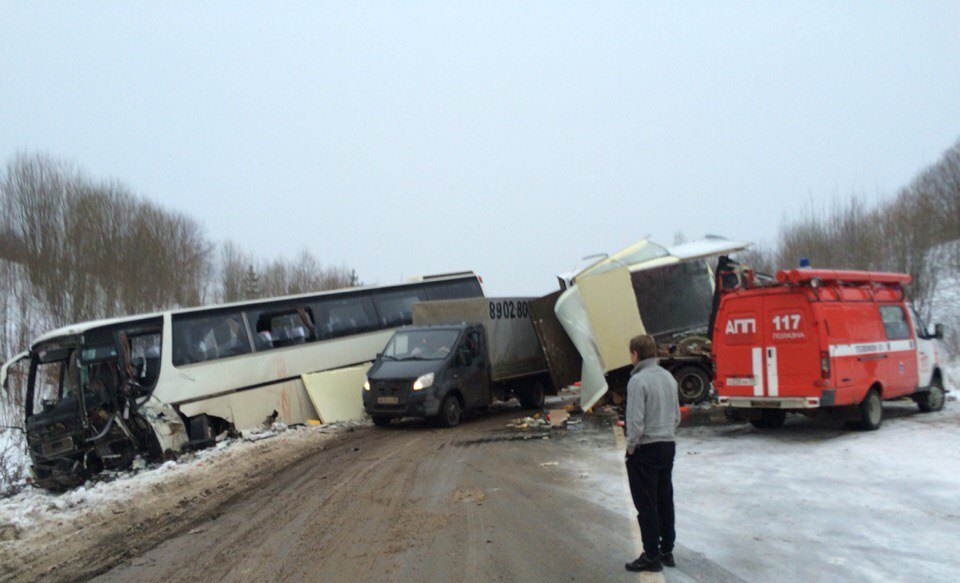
514, 346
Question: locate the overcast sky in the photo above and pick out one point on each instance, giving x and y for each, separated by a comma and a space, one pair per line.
418, 137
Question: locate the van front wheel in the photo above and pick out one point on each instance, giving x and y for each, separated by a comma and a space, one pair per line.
933, 398
450, 411
871, 411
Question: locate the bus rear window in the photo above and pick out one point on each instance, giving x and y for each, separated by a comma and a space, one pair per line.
455, 290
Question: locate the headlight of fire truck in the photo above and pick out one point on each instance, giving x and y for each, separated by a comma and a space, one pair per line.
423, 382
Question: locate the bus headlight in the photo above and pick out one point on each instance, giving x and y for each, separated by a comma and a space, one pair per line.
366, 384
423, 382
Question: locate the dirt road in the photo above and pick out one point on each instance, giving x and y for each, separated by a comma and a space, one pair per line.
479, 502
412, 503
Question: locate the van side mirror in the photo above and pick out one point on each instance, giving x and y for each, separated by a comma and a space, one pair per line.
938, 331
379, 355
463, 356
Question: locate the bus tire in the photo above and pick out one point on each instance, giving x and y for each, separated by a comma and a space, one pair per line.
770, 419
451, 410
201, 431
871, 411
532, 395
933, 398
381, 421
693, 384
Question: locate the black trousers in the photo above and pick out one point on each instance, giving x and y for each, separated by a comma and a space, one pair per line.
650, 470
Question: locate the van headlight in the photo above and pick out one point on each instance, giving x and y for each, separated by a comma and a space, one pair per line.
366, 384
423, 382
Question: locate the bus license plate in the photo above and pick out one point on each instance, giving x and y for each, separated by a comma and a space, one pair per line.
388, 400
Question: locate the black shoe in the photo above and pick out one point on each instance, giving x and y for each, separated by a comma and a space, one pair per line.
644, 564
667, 560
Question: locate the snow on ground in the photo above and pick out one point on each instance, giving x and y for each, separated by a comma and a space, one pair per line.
33, 504
814, 501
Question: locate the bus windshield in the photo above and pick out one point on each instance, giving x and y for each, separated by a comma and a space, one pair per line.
421, 344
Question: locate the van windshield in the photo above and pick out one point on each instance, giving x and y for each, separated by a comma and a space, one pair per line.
421, 344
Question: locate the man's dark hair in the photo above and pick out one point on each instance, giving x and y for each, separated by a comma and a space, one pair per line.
645, 346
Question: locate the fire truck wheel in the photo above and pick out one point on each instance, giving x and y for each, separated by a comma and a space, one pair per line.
693, 384
871, 411
770, 419
932, 399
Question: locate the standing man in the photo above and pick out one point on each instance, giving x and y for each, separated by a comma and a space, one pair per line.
653, 413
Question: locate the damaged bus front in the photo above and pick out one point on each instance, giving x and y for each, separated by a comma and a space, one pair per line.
89, 403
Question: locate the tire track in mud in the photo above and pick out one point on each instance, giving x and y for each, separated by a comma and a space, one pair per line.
84, 545
408, 503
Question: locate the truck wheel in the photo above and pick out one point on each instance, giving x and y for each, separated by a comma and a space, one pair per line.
693, 384
770, 419
380, 421
933, 398
532, 395
871, 411
450, 411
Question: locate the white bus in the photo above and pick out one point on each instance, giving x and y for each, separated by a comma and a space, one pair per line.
100, 393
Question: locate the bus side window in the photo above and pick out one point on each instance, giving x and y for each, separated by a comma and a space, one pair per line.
288, 327
199, 338
345, 316
396, 307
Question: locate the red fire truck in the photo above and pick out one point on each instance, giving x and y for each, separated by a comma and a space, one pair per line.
815, 339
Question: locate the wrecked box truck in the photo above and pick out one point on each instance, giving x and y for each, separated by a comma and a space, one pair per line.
458, 357
643, 289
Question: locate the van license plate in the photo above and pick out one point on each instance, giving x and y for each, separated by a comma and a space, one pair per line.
388, 400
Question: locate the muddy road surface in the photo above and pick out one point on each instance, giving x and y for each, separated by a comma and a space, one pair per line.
480, 502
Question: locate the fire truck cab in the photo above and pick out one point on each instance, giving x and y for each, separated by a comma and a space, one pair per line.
816, 339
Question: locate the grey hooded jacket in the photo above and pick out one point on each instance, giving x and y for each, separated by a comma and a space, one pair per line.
653, 407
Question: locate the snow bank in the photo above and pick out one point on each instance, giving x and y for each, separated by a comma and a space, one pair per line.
34, 504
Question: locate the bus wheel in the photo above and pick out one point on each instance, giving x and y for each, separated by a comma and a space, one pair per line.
871, 411
770, 419
693, 384
450, 411
532, 395
933, 398
201, 431
382, 421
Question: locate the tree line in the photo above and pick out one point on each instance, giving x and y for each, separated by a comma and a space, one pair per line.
917, 231
74, 248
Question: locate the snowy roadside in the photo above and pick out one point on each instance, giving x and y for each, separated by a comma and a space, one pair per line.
35, 510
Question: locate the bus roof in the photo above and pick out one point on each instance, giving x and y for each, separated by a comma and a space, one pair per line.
81, 327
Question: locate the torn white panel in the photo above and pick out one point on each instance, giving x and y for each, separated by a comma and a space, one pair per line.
710, 245
337, 394
573, 317
611, 306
